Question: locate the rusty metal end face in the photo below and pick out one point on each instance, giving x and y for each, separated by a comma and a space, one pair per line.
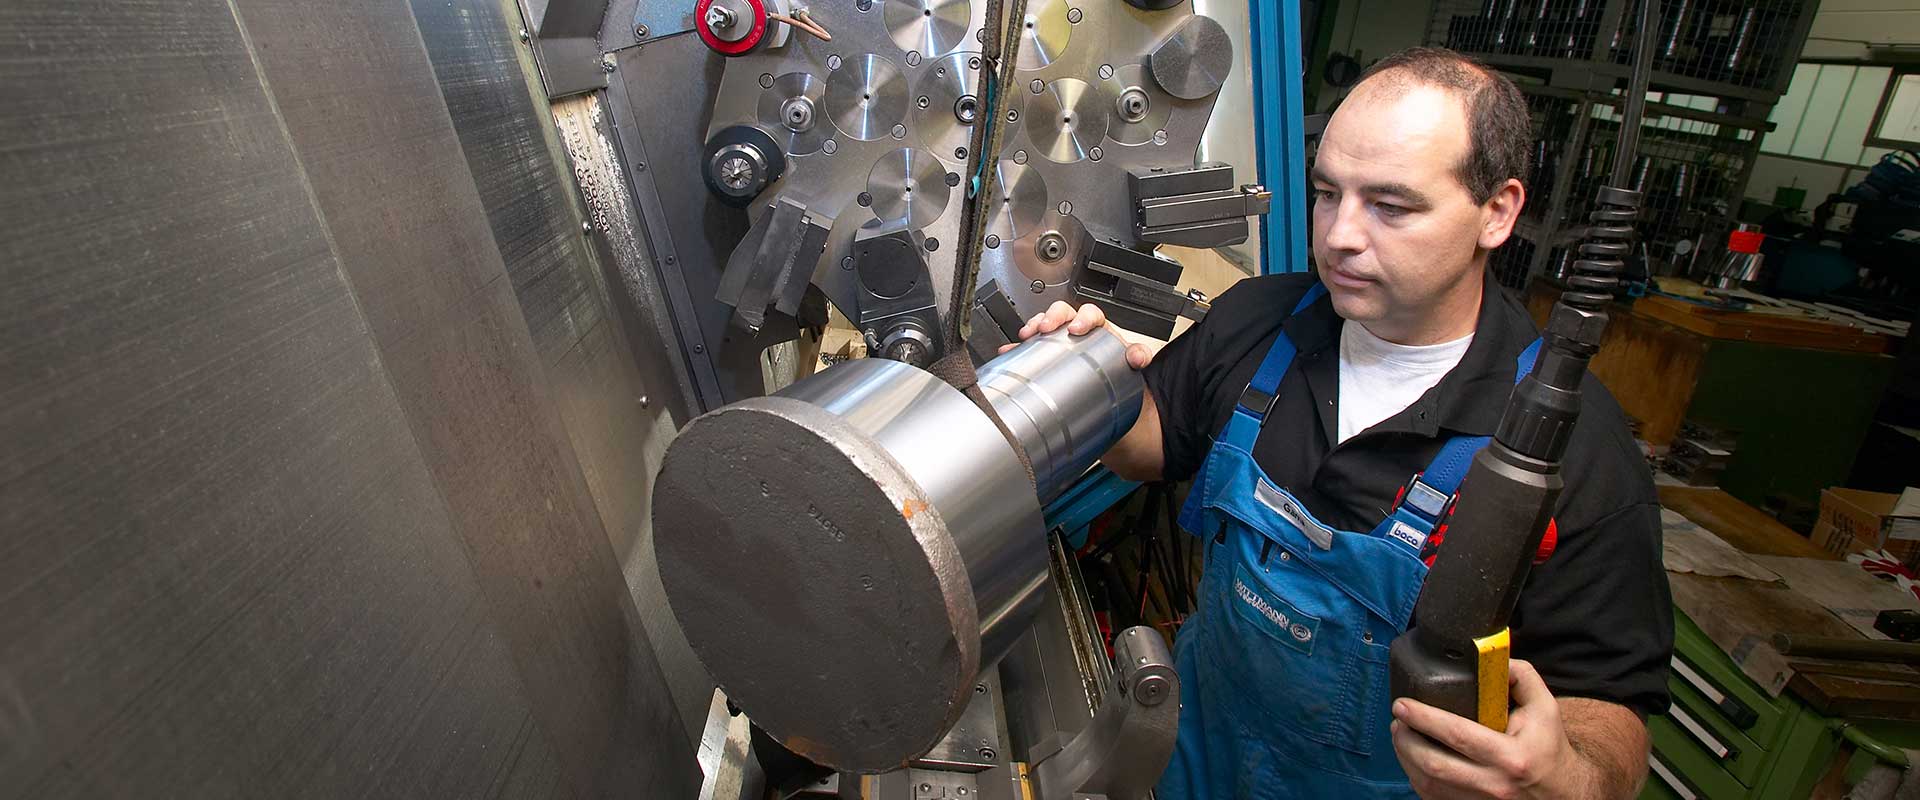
816, 583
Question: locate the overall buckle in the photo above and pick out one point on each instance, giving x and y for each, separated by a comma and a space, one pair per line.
1423, 500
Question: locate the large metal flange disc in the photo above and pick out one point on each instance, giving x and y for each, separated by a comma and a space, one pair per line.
791, 110
866, 97
1067, 119
947, 103
1044, 32
909, 188
854, 579
1019, 202
933, 27
1139, 106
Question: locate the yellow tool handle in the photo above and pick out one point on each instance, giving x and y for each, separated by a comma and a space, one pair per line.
1493, 652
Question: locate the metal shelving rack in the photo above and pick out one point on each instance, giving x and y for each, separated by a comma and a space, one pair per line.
1719, 66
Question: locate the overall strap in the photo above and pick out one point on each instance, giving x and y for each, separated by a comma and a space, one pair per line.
1244, 426
1450, 466
1424, 500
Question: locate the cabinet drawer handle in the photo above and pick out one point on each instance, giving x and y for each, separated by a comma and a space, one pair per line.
1736, 712
1700, 734
1672, 781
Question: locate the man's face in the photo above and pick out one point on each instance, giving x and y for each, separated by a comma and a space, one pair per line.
1394, 229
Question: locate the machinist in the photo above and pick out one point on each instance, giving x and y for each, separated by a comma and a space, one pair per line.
1302, 407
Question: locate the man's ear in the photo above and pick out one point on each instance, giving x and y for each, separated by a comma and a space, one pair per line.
1499, 213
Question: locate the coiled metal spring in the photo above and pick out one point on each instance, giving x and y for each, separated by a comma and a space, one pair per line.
1596, 274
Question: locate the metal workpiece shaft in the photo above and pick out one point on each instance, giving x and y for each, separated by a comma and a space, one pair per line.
847, 554
1067, 398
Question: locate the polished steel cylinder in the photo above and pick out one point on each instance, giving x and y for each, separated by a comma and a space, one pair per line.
846, 555
1067, 399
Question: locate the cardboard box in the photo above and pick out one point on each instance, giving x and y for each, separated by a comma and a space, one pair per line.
1855, 521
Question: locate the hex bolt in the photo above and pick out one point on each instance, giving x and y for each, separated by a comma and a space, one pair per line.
608, 63
1051, 247
586, 227
528, 37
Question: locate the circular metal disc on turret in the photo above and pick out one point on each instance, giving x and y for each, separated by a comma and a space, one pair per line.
951, 87
1044, 33
1159, 105
909, 188
866, 97
792, 112
1195, 60
1020, 200
1067, 120
779, 528
932, 27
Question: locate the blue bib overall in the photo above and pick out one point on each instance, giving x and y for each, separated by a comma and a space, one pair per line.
1283, 671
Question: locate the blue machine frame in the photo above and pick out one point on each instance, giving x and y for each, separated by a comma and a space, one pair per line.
1278, 119
1282, 148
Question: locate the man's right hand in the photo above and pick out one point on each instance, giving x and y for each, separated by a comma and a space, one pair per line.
1077, 323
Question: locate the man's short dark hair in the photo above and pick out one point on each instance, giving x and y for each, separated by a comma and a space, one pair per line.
1500, 132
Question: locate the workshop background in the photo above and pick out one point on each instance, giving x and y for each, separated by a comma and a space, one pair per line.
1761, 350
341, 352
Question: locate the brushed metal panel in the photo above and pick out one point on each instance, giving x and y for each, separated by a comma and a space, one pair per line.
593, 367
227, 569
413, 236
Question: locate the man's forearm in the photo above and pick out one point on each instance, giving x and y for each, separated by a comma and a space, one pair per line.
1611, 743
1140, 455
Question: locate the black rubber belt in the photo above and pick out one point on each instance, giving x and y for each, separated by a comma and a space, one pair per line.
956, 367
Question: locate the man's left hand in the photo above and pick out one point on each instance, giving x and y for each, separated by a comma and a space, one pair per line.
1446, 755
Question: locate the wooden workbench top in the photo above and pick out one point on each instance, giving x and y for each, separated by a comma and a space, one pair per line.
1741, 525
1733, 610
1748, 326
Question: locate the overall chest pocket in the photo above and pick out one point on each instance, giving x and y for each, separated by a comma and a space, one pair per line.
1298, 645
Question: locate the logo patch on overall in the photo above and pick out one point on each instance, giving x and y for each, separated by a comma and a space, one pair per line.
1407, 533
1290, 509
1283, 621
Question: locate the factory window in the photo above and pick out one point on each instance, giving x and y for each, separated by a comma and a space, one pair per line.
1829, 109
1897, 123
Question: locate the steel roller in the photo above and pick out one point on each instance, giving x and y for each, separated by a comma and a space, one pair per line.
847, 555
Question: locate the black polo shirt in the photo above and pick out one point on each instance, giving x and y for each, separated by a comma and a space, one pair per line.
1596, 618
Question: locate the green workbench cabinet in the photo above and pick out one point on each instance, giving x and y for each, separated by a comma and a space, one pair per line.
1699, 750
